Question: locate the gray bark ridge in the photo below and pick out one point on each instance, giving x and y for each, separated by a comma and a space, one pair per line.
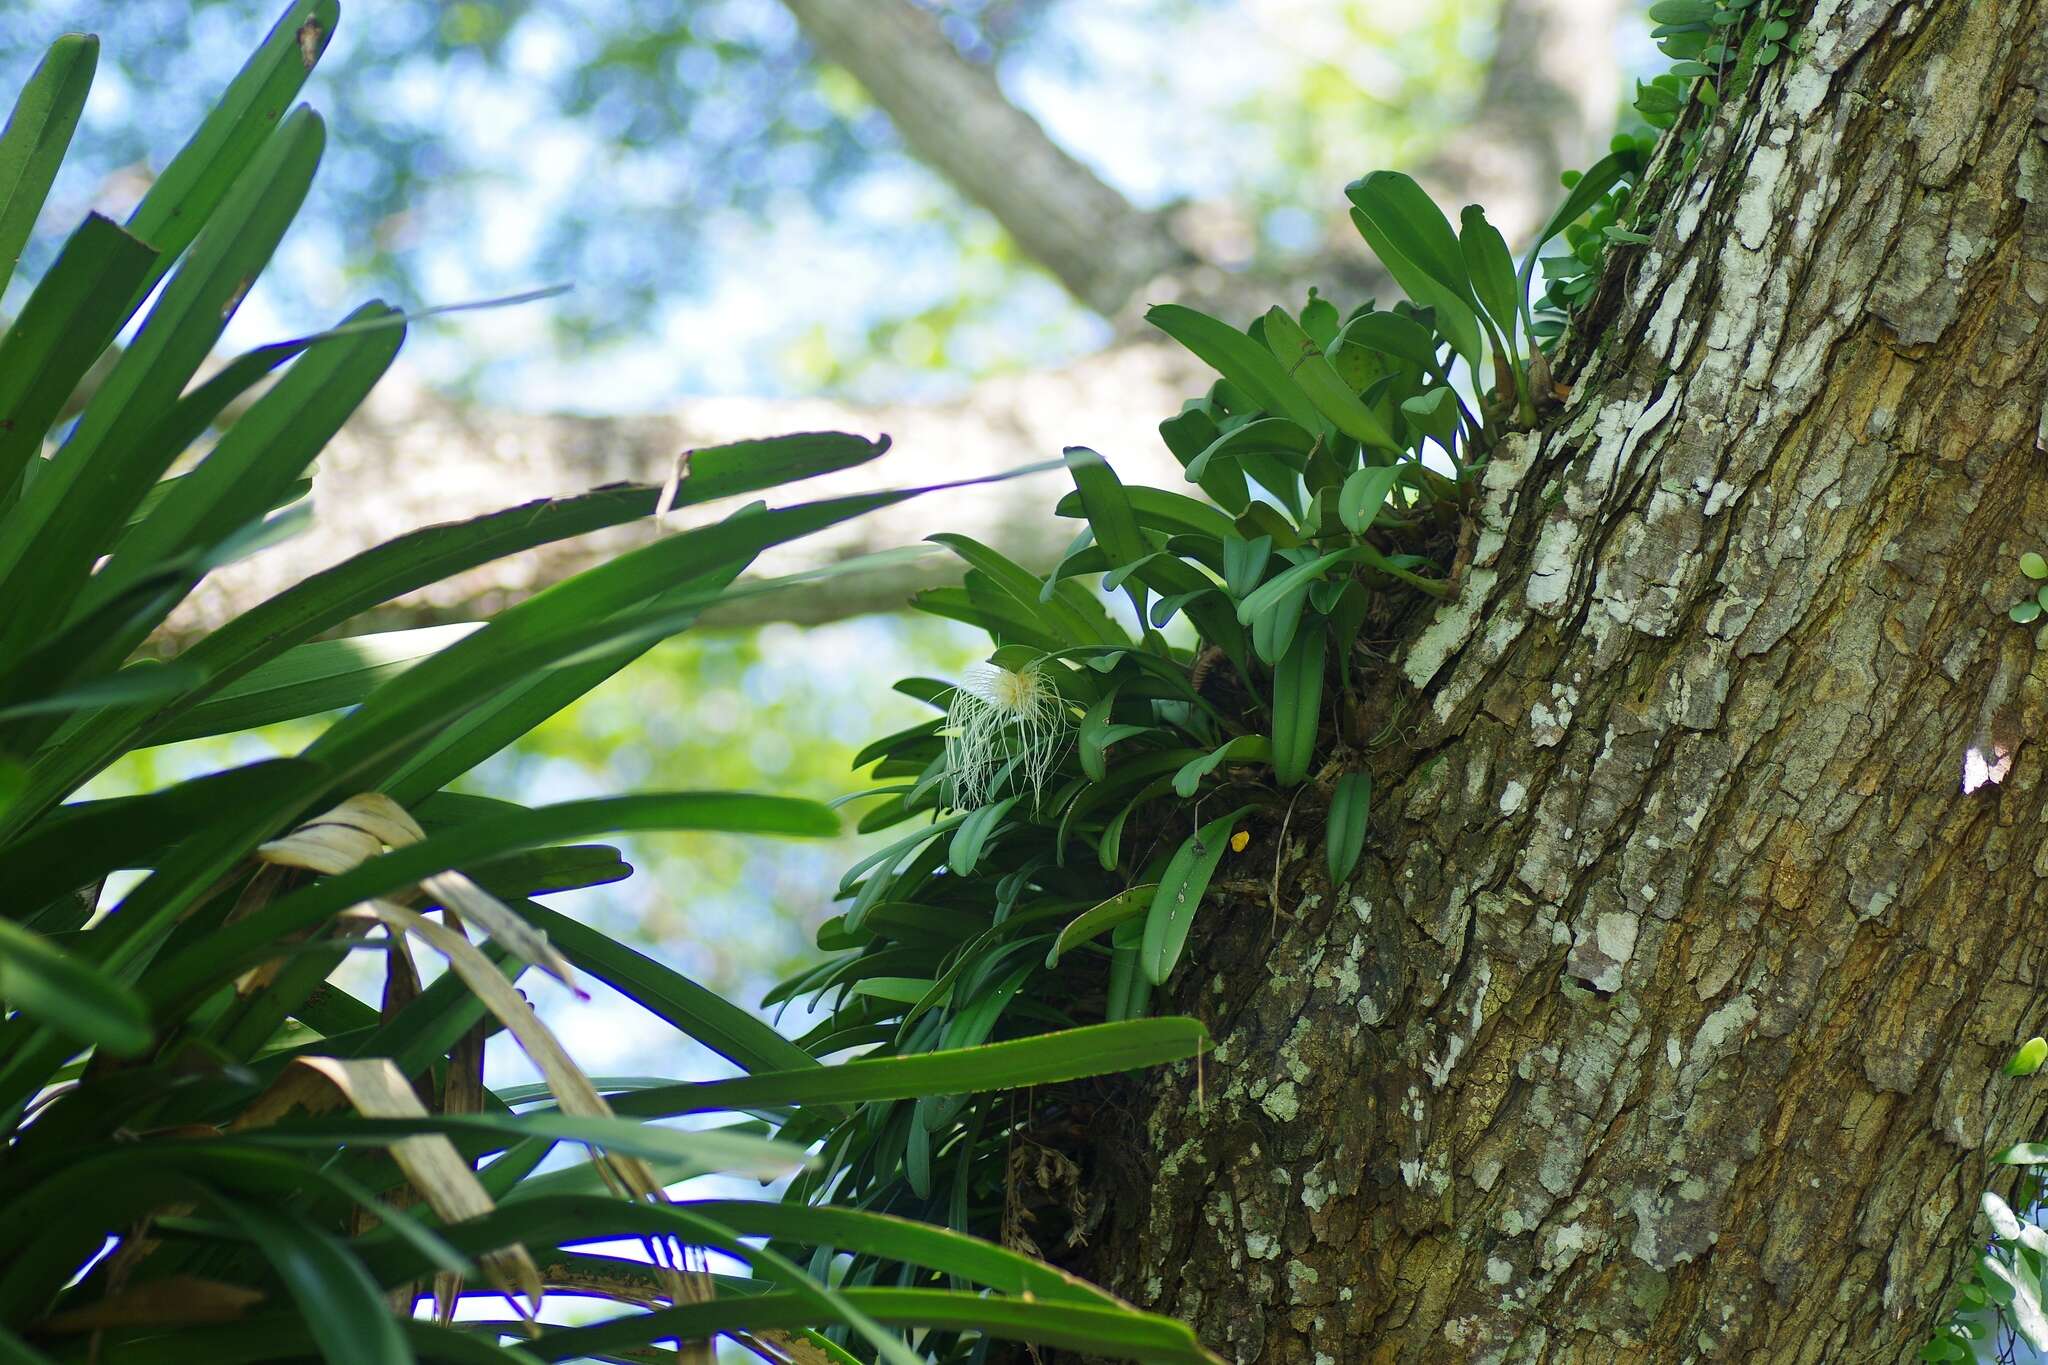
1662, 1019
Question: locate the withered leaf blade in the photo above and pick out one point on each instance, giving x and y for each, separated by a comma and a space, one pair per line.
173, 1301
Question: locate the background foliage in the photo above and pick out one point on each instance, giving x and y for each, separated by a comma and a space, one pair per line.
715, 136
1224, 699
211, 1152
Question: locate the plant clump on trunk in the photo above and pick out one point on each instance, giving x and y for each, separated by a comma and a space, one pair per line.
1551, 802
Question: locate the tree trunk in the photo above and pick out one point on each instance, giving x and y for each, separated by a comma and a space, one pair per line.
1661, 1021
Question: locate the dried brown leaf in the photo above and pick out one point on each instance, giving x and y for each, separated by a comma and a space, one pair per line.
174, 1301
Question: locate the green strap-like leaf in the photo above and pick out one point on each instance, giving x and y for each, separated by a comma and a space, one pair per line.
1181, 887
726, 471
340, 1303
1161, 509
1270, 593
1604, 175
184, 195
38, 131
545, 1222
704, 1152
1024, 588
1100, 919
263, 453
289, 1337
51, 539
64, 658
1187, 436
404, 565
964, 851
1433, 414
80, 843
1350, 816
80, 300
324, 675
480, 731
1244, 562
1116, 1333
1311, 370
1069, 1054
884, 860
1404, 215
583, 613
45, 982
1110, 514
1456, 319
251, 938
1243, 749
1289, 441
1298, 704
1096, 733
934, 1248
1394, 335
1491, 267
1364, 494
145, 680
1238, 358
709, 1018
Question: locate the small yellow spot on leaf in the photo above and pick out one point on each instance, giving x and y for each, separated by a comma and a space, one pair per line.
234, 299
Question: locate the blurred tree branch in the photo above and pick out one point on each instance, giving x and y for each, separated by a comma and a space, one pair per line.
411, 457
954, 116
1549, 95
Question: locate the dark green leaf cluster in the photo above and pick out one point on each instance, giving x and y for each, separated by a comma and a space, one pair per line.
1593, 218
210, 1151
1323, 527
1715, 46
1708, 38
1340, 460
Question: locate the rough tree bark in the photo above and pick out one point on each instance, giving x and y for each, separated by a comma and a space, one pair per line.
411, 457
1661, 1021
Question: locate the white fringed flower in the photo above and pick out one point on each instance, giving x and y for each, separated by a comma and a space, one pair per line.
1003, 728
